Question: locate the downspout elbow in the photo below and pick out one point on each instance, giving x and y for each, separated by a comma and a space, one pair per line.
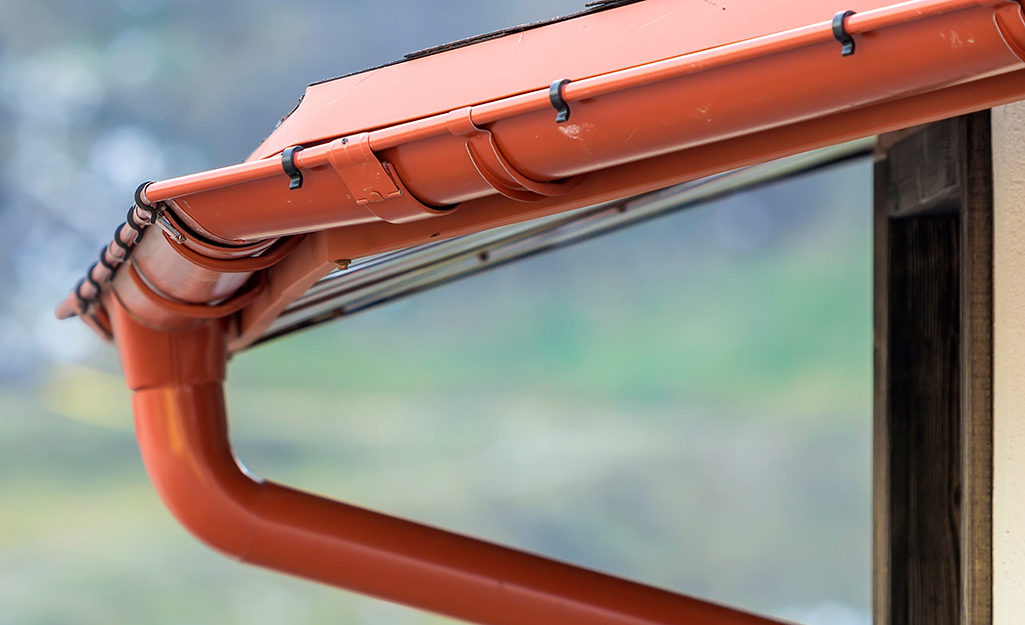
181, 424
183, 437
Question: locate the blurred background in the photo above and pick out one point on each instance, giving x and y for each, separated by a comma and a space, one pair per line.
686, 403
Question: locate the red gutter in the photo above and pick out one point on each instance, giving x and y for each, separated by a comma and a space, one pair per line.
602, 85
228, 261
619, 117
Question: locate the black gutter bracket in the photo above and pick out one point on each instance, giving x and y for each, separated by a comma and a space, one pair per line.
288, 164
555, 95
841, 34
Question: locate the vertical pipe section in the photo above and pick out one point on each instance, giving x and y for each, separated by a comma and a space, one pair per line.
182, 430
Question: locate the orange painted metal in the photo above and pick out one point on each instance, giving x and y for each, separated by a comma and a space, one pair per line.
627, 180
168, 283
239, 299
182, 430
247, 264
312, 259
659, 95
620, 117
606, 42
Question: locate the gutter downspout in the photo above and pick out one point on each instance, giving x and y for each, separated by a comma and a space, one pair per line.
172, 311
181, 424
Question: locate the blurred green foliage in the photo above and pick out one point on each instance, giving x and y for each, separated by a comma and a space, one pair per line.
654, 403
686, 402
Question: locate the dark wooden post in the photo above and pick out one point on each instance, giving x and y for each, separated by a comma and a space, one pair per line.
933, 375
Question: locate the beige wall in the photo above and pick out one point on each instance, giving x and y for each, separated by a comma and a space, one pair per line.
1009, 365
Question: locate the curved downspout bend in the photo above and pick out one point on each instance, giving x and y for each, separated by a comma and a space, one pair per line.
182, 430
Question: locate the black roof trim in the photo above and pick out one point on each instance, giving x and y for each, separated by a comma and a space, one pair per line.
589, 8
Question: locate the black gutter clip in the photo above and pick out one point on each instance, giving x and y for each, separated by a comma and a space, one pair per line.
841, 34
288, 164
555, 95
